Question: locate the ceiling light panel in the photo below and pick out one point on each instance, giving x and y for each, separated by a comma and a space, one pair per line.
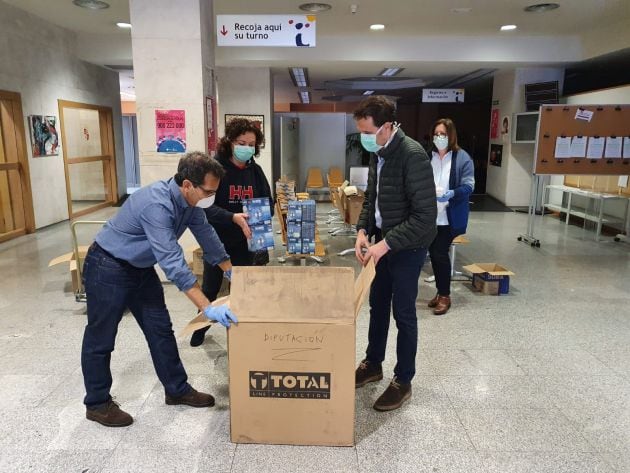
390, 71
368, 92
299, 76
91, 4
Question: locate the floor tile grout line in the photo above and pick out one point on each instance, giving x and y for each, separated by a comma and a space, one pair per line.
459, 419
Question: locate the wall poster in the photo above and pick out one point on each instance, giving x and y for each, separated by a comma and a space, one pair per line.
44, 137
494, 124
170, 131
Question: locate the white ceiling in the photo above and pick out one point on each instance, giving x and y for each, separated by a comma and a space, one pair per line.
423, 36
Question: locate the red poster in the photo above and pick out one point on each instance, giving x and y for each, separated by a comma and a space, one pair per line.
170, 131
211, 123
494, 124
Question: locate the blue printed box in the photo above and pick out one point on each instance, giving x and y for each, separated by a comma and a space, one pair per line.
262, 238
258, 210
490, 278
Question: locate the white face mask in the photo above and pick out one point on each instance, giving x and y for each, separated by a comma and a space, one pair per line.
440, 142
206, 202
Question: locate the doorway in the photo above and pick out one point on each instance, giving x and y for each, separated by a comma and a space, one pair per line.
87, 136
16, 201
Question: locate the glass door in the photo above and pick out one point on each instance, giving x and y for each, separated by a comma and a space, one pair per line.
89, 158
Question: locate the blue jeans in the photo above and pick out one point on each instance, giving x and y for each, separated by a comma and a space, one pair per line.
113, 285
396, 284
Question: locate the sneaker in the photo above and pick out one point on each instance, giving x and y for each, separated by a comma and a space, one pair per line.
433, 302
193, 399
198, 336
394, 396
109, 415
367, 373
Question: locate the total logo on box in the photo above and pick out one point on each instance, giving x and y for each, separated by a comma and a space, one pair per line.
289, 385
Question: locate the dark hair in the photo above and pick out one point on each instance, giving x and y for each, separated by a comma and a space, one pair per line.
195, 165
381, 110
236, 128
450, 131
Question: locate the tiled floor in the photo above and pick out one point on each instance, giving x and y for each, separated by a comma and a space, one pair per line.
535, 381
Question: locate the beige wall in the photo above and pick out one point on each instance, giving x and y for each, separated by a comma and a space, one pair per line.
39, 61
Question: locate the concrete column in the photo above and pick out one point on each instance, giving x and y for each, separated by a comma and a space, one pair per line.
247, 91
173, 61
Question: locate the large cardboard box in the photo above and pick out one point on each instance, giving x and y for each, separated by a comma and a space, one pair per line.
292, 354
70, 258
490, 278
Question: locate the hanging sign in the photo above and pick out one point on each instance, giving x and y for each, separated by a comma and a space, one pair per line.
170, 131
297, 31
443, 95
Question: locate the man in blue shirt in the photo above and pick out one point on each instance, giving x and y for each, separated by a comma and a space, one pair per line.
119, 274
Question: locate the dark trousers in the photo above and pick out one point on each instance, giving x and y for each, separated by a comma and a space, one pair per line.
396, 285
438, 251
213, 275
111, 286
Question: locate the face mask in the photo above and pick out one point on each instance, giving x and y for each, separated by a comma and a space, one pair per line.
440, 142
243, 153
205, 202
369, 142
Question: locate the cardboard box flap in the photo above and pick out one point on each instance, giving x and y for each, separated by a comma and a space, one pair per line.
201, 320
362, 285
293, 294
68, 256
490, 268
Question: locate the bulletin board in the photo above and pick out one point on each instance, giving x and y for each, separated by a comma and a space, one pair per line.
560, 121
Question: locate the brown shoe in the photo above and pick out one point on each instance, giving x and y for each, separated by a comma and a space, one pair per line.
433, 302
393, 397
193, 399
109, 415
367, 373
442, 306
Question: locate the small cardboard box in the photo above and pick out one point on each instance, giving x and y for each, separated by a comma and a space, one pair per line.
197, 262
490, 278
292, 354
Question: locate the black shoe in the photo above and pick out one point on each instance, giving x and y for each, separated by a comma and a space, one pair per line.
393, 397
109, 415
193, 399
198, 336
367, 373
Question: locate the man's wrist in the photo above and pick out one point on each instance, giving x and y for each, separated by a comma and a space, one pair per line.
386, 244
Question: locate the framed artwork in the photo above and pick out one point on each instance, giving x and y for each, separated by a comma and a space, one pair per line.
496, 155
44, 137
259, 121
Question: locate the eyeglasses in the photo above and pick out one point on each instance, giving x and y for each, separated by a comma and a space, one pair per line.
440, 134
207, 192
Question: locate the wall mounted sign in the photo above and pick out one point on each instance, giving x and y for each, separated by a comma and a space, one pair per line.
297, 31
496, 155
170, 131
443, 95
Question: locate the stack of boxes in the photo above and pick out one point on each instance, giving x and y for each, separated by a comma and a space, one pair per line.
285, 192
301, 227
259, 212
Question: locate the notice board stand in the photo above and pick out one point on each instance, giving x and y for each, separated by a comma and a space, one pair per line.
568, 121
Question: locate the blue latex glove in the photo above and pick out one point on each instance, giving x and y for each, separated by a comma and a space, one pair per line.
228, 275
446, 196
221, 314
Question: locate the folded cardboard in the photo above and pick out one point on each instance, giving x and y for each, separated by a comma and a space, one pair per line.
70, 258
292, 354
490, 278
352, 205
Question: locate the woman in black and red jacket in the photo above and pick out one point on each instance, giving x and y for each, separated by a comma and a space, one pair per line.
244, 179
